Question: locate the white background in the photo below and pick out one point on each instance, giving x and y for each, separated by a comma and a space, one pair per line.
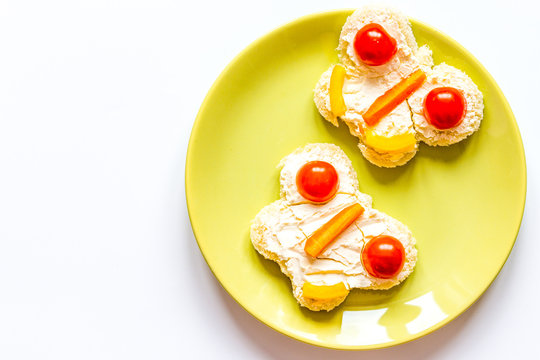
97, 257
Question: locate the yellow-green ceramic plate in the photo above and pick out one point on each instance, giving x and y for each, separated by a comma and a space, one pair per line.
464, 203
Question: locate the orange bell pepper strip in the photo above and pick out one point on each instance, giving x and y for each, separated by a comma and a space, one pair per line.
324, 292
321, 238
393, 97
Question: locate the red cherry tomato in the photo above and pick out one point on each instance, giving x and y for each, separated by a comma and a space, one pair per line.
383, 256
317, 181
445, 107
373, 45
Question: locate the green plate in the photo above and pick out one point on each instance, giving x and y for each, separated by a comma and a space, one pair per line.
464, 203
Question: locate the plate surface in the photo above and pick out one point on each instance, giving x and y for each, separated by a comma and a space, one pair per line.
463, 203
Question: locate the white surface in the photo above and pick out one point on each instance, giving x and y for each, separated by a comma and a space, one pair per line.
97, 257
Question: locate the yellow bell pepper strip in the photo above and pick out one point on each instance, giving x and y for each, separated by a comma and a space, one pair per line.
387, 102
324, 292
397, 143
337, 103
322, 237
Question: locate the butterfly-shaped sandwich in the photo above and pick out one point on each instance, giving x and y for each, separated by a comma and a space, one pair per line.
390, 95
324, 233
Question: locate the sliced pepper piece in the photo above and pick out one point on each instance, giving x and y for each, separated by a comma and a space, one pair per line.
324, 292
337, 103
397, 143
322, 237
393, 97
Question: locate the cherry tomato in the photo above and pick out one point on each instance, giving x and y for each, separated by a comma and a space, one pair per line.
445, 107
317, 181
373, 45
383, 256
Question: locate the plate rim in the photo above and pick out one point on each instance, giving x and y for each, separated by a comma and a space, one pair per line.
189, 160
